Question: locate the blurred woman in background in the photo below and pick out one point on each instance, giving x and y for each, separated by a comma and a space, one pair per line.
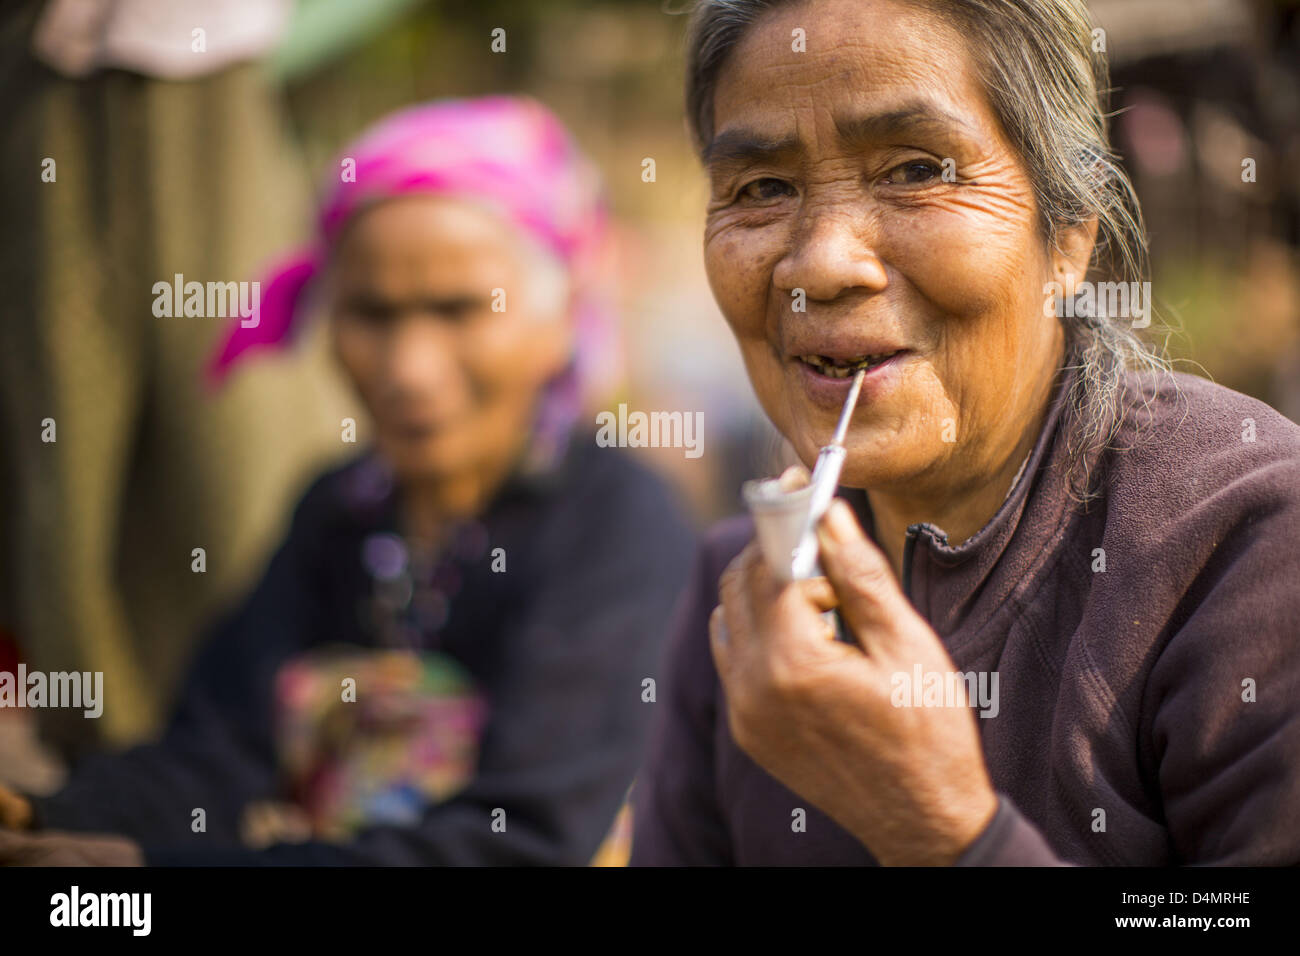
444, 661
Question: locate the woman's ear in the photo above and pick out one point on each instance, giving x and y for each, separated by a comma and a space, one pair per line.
1071, 254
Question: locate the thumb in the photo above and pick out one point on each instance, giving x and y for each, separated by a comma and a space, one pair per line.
870, 598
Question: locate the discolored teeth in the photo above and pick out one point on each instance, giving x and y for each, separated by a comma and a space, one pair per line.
833, 368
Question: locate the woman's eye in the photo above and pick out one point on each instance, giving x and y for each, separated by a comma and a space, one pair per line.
457, 312
767, 189
376, 316
914, 173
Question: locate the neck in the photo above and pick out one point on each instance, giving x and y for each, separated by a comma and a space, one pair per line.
429, 504
959, 510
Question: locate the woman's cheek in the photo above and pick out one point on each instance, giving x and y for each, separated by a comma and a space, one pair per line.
739, 264
360, 354
958, 260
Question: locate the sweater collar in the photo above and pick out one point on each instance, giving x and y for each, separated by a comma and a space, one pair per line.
955, 586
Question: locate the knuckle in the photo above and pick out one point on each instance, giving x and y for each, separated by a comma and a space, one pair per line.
818, 591
785, 680
718, 624
866, 576
738, 718
730, 581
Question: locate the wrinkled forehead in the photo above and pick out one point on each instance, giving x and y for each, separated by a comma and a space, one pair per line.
817, 74
424, 238
438, 244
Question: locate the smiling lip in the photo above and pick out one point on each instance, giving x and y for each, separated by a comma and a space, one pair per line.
830, 392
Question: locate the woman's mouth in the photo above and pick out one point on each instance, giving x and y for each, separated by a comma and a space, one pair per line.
825, 380
845, 368
414, 431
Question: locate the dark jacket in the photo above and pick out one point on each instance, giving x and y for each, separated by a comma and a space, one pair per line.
596, 551
1149, 713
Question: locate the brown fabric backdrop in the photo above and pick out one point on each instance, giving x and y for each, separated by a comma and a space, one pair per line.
153, 178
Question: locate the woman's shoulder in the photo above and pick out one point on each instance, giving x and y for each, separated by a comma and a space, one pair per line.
689, 644
713, 551
717, 546
1189, 426
616, 478
356, 488
1204, 413
1188, 447
608, 506
723, 541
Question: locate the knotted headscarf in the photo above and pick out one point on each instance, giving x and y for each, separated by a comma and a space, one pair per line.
510, 153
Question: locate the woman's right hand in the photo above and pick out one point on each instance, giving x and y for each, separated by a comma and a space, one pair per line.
15, 810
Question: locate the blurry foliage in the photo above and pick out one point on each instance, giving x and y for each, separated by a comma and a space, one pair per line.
1235, 318
608, 69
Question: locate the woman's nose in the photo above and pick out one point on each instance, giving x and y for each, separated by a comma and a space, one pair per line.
832, 252
421, 354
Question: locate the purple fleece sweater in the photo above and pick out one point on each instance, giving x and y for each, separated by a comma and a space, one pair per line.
1148, 714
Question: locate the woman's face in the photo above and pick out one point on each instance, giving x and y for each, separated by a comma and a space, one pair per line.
868, 181
451, 383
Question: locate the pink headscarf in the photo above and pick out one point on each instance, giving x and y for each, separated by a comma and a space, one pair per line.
509, 152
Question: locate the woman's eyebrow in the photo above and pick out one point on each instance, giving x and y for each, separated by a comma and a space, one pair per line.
740, 147
372, 301
914, 118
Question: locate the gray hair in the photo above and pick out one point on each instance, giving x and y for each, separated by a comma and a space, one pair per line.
1049, 87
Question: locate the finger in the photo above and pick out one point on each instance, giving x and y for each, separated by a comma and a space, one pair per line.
734, 590
254, 829
819, 593
770, 599
298, 827
17, 849
15, 810
718, 643
108, 850
793, 478
860, 574
764, 598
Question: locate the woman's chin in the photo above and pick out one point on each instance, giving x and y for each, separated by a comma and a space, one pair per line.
874, 457
886, 464
424, 459
871, 472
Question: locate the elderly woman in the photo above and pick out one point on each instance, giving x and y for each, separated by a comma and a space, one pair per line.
1102, 555
444, 661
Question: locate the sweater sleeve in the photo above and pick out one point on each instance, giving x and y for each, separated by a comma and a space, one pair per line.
677, 818
1009, 840
567, 723
216, 753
